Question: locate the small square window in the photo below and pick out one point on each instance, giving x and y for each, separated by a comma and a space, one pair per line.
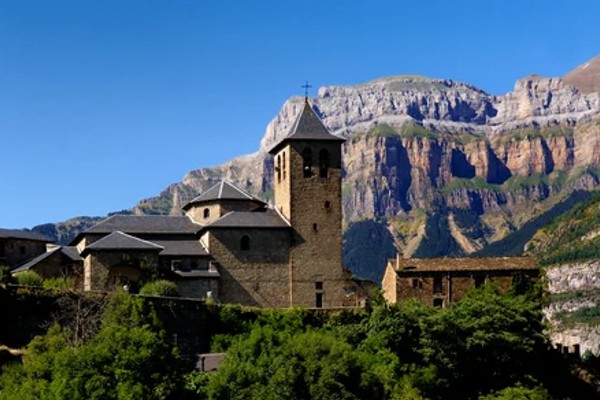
175, 265
318, 285
438, 302
22, 249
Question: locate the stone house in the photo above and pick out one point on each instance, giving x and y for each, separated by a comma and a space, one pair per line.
442, 281
234, 247
17, 246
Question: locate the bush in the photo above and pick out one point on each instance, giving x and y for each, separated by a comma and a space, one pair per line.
5, 276
29, 278
59, 283
160, 288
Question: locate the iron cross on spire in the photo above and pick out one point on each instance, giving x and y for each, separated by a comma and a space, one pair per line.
306, 86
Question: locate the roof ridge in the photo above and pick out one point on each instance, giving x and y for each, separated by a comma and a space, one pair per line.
243, 192
222, 183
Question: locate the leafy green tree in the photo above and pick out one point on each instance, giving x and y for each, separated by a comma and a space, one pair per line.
519, 393
486, 341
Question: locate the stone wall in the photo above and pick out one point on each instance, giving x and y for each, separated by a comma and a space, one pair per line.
316, 215
448, 286
254, 277
57, 265
198, 287
103, 270
14, 252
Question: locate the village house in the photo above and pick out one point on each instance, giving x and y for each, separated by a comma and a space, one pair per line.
230, 245
17, 246
442, 281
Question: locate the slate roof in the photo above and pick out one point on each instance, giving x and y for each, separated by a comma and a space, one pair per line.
308, 126
410, 266
21, 234
223, 190
121, 241
268, 218
149, 224
181, 248
69, 251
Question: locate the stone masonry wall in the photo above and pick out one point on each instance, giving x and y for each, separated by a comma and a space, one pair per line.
316, 216
102, 269
17, 251
254, 277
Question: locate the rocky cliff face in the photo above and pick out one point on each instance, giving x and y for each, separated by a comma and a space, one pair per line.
483, 165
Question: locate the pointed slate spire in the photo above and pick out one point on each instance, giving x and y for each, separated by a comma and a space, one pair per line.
308, 126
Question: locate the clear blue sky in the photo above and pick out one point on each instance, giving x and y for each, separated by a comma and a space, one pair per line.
106, 102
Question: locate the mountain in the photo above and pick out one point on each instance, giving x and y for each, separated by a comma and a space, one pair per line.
442, 166
585, 77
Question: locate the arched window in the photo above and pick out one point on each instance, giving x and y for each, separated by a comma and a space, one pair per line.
278, 168
307, 158
206, 213
284, 166
323, 163
245, 242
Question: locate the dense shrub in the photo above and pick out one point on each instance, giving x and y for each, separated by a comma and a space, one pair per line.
160, 288
29, 278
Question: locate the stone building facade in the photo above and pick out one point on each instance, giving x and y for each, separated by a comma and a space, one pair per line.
234, 247
442, 281
17, 246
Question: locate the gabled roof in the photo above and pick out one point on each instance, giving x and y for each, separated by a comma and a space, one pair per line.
68, 251
21, 234
308, 126
121, 241
268, 218
148, 224
223, 190
471, 264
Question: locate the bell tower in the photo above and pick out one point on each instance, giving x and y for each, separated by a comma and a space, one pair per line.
308, 192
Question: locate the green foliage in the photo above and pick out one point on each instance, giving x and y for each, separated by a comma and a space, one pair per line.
514, 243
128, 359
519, 393
59, 283
476, 183
29, 278
5, 275
160, 287
583, 315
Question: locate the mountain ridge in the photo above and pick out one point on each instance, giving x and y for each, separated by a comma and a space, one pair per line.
438, 148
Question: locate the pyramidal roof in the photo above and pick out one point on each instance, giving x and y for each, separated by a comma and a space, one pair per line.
308, 126
120, 241
222, 191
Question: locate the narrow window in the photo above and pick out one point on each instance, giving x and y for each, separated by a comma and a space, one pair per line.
323, 163
2, 250
319, 300
22, 249
278, 169
315, 227
437, 285
438, 302
206, 213
245, 243
307, 165
327, 205
318, 285
283, 166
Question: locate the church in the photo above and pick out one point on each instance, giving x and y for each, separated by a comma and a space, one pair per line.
229, 245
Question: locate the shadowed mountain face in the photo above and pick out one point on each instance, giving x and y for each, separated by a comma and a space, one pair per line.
446, 168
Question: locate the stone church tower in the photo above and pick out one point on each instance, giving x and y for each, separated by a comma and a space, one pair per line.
308, 192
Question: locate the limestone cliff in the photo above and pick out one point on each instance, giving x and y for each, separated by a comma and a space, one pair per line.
419, 146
